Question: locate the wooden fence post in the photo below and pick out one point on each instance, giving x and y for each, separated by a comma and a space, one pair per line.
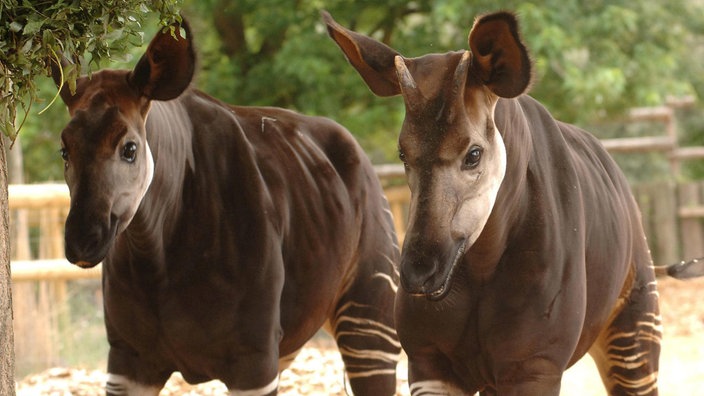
691, 232
398, 198
664, 224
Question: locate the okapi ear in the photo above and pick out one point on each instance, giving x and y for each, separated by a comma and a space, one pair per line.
373, 60
499, 57
166, 69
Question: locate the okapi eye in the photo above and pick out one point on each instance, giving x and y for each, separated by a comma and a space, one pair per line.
64, 153
472, 158
129, 152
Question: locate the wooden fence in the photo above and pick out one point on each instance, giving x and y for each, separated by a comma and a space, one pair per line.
36, 217
672, 214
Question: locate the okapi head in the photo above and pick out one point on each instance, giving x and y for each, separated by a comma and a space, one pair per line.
108, 165
454, 156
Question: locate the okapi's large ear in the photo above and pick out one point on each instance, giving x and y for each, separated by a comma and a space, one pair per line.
499, 57
373, 60
166, 69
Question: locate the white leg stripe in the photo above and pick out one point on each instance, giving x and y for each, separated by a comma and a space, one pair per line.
388, 279
433, 388
265, 390
373, 329
121, 385
369, 354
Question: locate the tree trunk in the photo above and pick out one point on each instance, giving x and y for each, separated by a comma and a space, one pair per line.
7, 353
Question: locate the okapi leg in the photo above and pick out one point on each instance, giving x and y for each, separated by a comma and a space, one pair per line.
120, 385
364, 331
130, 375
627, 351
430, 374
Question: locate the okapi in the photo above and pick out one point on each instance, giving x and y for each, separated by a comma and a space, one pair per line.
524, 249
229, 235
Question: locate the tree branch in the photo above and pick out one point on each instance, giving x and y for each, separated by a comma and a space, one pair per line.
230, 26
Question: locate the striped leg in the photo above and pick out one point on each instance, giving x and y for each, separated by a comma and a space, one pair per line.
363, 329
120, 385
363, 322
627, 352
434, 388
369, 349
128, 375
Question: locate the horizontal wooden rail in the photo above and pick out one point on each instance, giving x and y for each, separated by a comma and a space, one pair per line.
639, 144
38, 196
389, 171
687, 153
657, 113
691, 212
54, 269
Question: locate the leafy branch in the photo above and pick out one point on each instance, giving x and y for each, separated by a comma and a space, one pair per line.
87, 32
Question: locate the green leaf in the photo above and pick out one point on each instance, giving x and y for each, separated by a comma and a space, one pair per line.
15, 26
48, 38
26, 47
114, 35
33, 27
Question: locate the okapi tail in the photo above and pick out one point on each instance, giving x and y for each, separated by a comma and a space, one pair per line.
682, 270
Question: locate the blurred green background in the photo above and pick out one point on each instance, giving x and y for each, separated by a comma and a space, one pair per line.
593, 61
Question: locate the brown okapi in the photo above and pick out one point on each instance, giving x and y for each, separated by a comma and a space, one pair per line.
524, 249
229, 235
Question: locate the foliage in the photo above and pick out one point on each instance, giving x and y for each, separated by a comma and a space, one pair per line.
33, 32
615, 55
277, 53
593, 60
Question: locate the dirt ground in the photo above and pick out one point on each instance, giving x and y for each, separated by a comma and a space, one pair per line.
318, 369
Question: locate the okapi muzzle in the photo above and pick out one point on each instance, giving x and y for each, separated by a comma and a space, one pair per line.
427, 264
455, 161
89, 233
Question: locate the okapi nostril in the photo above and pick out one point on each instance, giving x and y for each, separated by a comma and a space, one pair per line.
417, 277
414, 282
